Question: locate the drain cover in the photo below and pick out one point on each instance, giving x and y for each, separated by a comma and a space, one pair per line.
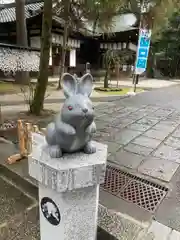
114, 180
136, 190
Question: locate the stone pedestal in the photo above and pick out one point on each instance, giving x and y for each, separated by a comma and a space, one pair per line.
68, 191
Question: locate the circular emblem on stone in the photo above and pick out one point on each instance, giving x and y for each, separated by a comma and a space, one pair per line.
50, 211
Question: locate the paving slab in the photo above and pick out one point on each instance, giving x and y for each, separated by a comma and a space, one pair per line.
137, 115
168, 152
150, 108
112, 146
134, 148
176, 133
174, 117
139, 127
173, 142
158, 168
121, 122
125, 136
147, 142
126, 159
164, 125
157, 231
163, 112
148, 121
157, 134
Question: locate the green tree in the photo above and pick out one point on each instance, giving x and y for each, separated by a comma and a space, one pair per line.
154, 15
168, 45
21, 37
113, 58
39, 95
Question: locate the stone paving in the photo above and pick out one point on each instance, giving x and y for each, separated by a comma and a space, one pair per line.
158, 231
145, 138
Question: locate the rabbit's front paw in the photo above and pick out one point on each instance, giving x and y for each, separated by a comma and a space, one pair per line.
91, 129
55, 152
68, 129
71, 131
89, 148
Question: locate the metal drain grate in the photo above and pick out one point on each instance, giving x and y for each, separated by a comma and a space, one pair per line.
114, 180
133, 189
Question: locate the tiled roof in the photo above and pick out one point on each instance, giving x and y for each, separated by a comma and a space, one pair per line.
9, 14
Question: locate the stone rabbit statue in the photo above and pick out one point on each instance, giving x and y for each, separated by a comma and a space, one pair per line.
74, 126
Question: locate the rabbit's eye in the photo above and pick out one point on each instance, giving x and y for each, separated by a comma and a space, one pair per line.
70, 108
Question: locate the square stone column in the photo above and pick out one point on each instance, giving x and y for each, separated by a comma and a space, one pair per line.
68, 191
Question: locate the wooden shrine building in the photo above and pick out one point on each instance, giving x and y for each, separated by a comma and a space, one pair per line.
83, 46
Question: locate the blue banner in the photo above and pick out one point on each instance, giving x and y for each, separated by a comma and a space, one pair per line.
143, 50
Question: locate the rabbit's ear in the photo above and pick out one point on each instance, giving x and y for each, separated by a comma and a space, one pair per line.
85, 85
69, 85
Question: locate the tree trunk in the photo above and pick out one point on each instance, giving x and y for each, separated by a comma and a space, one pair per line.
106, 82
63, 56
65, 38
21, 38
150, 64
39, 95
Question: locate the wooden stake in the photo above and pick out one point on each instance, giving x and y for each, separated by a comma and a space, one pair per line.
28, 127
21, 136
14, 158
25, 140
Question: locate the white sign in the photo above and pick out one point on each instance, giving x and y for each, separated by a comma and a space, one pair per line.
72, 58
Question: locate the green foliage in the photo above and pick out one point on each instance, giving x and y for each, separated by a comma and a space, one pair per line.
154, 15
81, 13
168, 44
113, 57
